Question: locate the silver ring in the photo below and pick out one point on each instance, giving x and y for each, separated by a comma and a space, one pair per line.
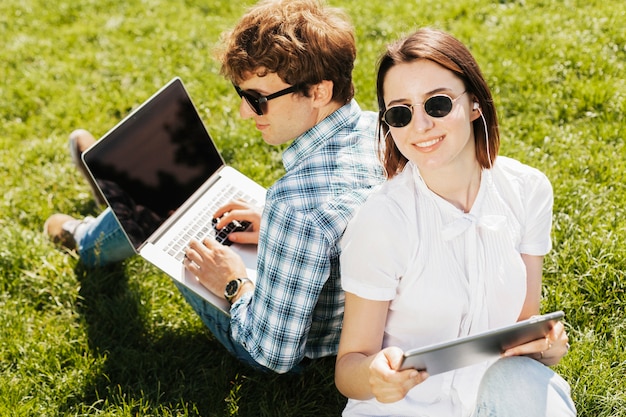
541, 353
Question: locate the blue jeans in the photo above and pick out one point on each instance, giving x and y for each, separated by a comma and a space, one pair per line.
218, 323
522, 387
102, 242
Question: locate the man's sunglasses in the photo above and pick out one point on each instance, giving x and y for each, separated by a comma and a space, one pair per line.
438, 106
258, 102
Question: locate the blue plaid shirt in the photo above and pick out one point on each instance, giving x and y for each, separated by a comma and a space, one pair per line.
296, 309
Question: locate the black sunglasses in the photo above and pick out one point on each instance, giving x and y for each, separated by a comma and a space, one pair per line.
438, 106
258, 102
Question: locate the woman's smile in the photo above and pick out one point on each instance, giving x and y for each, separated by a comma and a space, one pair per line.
428, 143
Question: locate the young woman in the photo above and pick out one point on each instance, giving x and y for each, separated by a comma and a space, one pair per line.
451, 245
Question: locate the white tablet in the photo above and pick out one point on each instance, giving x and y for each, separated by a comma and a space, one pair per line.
469, 350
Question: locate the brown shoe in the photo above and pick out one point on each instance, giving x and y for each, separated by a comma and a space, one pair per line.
61, 229
79, 141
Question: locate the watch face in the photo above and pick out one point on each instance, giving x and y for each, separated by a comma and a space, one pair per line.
232, 287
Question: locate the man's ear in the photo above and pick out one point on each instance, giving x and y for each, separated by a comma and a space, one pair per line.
322, 93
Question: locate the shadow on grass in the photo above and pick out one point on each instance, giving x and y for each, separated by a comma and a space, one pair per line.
181, 371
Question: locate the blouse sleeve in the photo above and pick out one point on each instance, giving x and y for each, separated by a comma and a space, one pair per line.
539, 201
375, 250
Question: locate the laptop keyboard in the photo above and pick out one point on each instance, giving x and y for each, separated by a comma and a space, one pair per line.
204, 225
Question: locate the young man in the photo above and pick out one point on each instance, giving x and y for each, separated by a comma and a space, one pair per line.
291, 62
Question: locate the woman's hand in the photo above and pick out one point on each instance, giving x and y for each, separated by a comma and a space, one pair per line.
387, 383
548, 350
364, 371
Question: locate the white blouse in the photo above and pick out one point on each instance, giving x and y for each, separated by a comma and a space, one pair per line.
447, 273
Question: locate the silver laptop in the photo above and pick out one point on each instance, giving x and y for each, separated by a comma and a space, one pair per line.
163, 177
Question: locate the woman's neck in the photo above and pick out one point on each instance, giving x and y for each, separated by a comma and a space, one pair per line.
457, 186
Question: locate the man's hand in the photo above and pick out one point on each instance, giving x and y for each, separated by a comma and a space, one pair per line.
240, 211
213, 264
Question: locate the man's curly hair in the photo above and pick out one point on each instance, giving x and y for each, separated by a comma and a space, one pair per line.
303, 41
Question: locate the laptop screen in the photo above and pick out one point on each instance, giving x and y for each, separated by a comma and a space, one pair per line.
154, 160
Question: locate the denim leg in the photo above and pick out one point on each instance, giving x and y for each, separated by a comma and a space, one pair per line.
218, 323
521, 387
102, 241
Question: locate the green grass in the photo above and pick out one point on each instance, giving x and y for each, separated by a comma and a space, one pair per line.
121, 341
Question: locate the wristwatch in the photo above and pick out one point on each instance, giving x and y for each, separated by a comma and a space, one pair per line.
233, 287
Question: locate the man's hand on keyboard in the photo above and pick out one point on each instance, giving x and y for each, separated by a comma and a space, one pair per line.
240, 211
213, 264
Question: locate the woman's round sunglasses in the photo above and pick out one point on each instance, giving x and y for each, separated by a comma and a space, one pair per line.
439, 105
258, 102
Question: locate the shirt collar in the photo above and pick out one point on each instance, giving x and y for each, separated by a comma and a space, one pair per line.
316, 137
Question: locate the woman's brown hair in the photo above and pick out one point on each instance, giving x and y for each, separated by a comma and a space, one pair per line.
445, 50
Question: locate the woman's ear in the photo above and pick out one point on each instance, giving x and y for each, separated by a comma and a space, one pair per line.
476, 112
